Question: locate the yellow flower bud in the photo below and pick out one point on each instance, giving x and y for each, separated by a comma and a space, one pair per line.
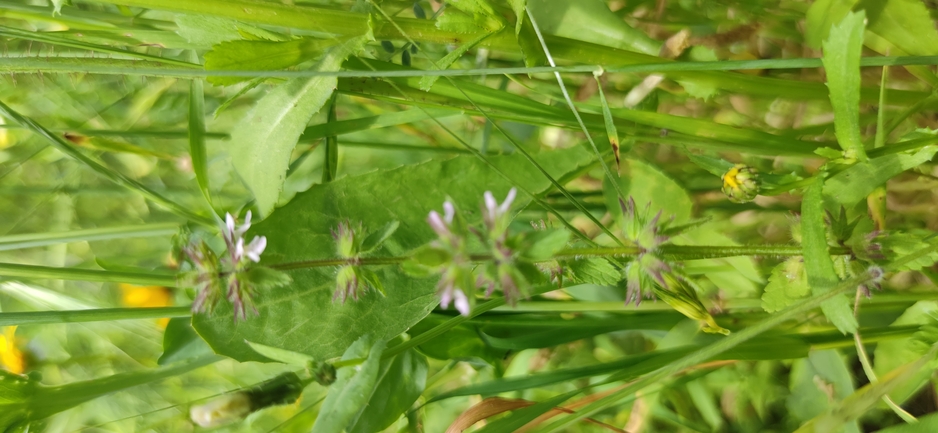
741, 183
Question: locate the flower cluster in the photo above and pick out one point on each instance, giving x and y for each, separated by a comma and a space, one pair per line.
457, 282
351, 278
507, 265
233, 276
648, 275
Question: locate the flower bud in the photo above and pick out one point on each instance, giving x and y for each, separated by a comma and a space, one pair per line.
323, 373
222, 410
741, 184
678, 293
235, 406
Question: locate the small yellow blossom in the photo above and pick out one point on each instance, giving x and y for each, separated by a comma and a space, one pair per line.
11, 359
146, 296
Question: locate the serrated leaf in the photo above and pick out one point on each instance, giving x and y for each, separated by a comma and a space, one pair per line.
401, 380
261, 144
818, 264
787, 284
859, 180
301, 231
842, 65
899, 244
260, 56
353, 386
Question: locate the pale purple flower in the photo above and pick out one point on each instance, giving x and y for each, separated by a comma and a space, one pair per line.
451, 293
494, 215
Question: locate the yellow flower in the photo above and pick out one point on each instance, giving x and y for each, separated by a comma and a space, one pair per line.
146, 296
11, 359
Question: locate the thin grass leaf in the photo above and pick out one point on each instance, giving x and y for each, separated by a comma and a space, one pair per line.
197, 151
151, 278
611, 132
118, 178
32, 240
341, 127
91, 315
330, 160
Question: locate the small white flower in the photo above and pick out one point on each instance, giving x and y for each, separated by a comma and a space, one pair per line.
255, 248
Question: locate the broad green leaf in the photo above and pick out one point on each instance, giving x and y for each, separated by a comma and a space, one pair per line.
787, 284
180, 342
261, 56
817, 383
821, 16
892, 354
858, 403
594, 271
590, 21
841, 60
741, 278
401, 380
543, 244
526, 36
859, 180
817, 260
907, 24
261, 143
301, 231
647, 184
462, 342
353, 386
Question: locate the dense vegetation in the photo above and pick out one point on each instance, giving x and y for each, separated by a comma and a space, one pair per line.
470, 215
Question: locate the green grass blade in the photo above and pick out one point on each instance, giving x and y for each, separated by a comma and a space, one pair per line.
48, 272
92, 315
32, 240
53, 39
316, 132
330, 162
197, 151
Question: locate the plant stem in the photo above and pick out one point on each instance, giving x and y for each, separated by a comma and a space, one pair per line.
91, 315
